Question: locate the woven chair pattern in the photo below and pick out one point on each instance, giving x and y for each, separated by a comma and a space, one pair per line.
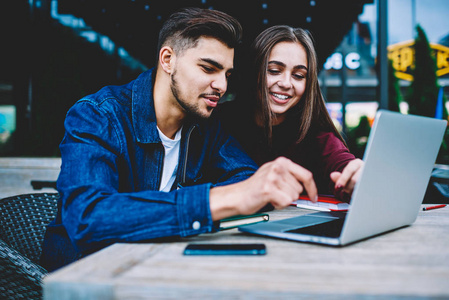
23, 219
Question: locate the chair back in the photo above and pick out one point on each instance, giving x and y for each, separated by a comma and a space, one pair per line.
23, 220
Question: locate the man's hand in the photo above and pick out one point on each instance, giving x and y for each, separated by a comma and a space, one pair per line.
279, 183
346, 180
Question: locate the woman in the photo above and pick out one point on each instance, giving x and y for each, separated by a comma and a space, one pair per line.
284, 113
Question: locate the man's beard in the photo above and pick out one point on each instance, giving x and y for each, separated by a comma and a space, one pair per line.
192, 110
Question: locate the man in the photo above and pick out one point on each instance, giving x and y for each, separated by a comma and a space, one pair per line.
142, 161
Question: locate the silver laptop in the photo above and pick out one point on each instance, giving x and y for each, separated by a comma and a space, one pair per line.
399, 159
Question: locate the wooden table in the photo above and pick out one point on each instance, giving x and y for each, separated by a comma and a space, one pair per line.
406, 263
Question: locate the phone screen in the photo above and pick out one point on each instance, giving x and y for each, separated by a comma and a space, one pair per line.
225, 249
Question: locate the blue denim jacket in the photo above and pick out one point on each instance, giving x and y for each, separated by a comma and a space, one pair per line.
112, 160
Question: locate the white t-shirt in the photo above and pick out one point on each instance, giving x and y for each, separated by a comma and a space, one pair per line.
170, 160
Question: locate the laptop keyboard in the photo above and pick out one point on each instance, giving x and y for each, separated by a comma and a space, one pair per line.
329, 229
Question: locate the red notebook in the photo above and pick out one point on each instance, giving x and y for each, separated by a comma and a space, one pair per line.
325, 203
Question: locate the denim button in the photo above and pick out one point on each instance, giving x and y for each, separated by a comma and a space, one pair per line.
196, 225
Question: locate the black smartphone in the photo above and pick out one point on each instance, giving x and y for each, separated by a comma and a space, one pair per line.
225, 249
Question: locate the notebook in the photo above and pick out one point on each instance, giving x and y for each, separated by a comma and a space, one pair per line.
399, 158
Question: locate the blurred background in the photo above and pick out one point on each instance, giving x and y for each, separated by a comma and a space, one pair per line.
53, 52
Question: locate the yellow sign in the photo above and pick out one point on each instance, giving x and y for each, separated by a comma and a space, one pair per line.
403, 57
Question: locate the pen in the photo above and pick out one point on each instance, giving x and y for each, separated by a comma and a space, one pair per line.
434, 207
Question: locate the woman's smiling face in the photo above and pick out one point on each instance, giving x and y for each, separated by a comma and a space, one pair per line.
286, 77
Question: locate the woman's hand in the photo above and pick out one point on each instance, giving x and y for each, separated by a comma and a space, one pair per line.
346, 180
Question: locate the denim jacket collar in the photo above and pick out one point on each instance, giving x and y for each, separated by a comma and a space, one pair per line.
143, 114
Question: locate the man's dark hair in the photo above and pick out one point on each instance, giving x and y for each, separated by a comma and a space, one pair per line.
183, 28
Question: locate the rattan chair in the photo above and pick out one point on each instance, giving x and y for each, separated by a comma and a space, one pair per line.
23, 219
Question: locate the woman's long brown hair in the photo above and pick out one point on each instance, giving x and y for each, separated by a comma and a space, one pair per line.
311, 109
